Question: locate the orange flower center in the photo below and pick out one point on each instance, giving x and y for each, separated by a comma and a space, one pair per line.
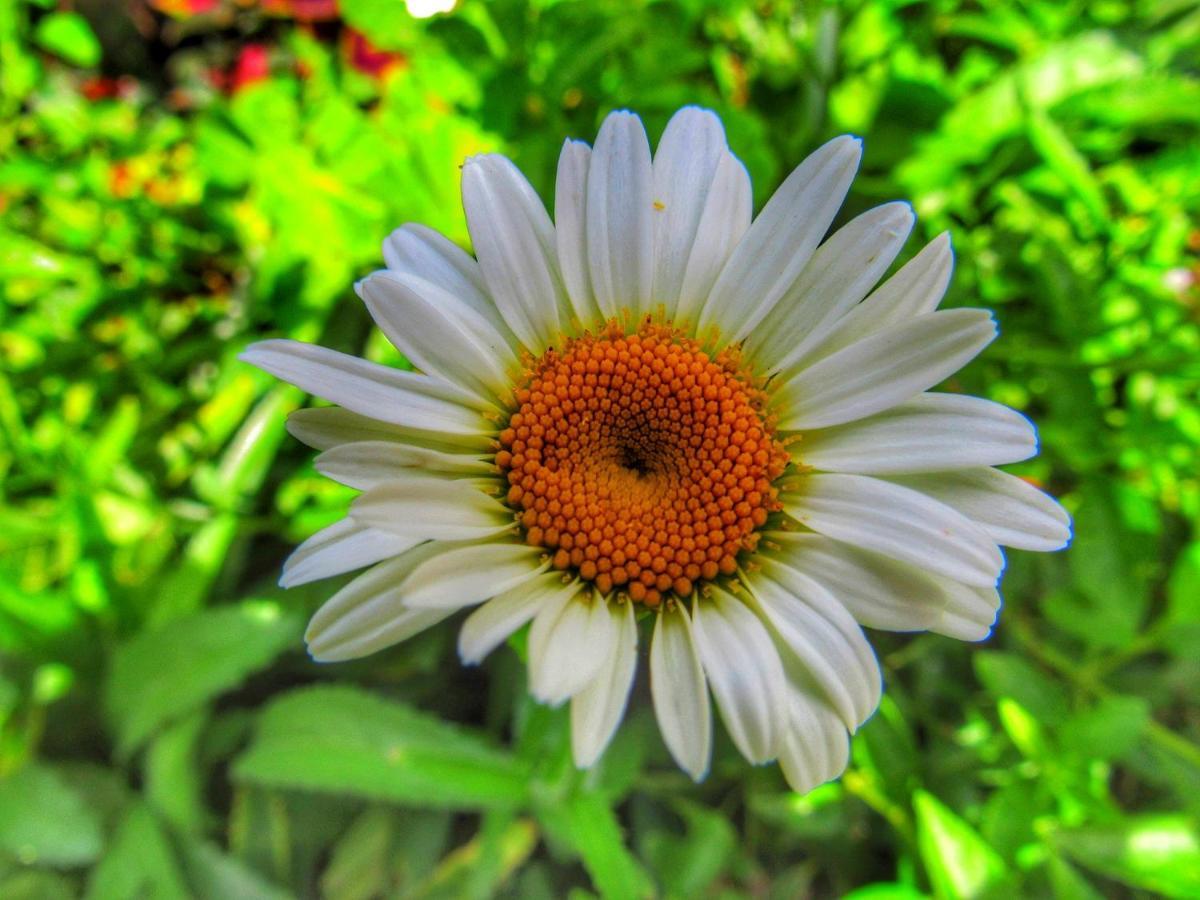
641, 462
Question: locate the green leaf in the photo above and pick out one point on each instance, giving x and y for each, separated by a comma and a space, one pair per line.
388, 25
1008, 675
43, 821
164, 674
1183, 587
1155, 852
593, 831
958, 861
1068, 884
687, 865
342, 740
37, 884
68, 35
885, 891
1060, 155
360, 866
172, 777
1107, 731
140, 862
212, 873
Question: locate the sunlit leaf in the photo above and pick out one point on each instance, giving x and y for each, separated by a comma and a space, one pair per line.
958, 861
43, 821
205, 654
1157, 853
342, 740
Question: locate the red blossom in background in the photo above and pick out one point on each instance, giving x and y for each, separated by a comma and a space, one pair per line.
184, 8
302, 10
366, 57
253, 65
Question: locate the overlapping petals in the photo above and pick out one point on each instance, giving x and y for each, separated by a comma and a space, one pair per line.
892, 513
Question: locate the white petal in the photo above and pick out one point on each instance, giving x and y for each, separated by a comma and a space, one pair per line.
470, 574
417, 250
931, 432
434, 509
885, 369
723, 223
680, 692
389, 395
896, 521
816, 748
324, 427
620, 240
970, 619
781, 240
1012, 511
363, 465
490, 625
840, 274
596, 711
369, 613
824, 637
514, 240
745, 673
684, 167
341, 547
915, 290
879, 591
441, 334
570, 230
569, 643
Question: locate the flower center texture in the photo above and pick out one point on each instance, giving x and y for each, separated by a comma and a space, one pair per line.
640, 461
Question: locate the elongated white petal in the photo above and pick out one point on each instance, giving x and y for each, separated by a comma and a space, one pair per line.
840, 274
568, 645
620, 240
416, 250
570, 230
685, 165
369, 613
441, 334
389, 395
931, 432
883, 370
816, 747
898, 522
490, 625
822, 635
781, 240
363, 465
431, 508
325, 427
470, 574
680, 692
971, 616
597, 710
879, 591
514, 240
745, 673
728, 208
915, 290
1012, 511
344, 546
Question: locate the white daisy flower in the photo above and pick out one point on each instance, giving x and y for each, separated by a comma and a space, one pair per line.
657, 415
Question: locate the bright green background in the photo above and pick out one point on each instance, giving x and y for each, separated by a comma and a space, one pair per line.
162, 732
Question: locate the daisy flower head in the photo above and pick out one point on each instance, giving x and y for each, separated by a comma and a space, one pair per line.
657, 416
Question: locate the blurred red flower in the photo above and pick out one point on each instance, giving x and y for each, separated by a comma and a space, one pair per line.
366, 57
253, 65
302, 10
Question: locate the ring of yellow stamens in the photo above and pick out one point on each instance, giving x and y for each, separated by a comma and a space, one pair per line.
641, 462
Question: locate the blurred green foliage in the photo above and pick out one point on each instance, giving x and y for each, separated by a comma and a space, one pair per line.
179, 180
